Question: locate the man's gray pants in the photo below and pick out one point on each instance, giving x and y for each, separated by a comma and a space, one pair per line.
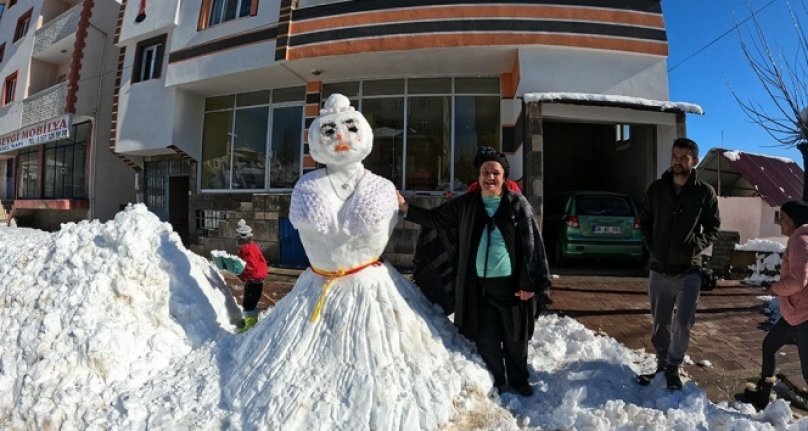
674, 299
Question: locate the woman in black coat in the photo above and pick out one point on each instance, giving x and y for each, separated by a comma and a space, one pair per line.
502, 273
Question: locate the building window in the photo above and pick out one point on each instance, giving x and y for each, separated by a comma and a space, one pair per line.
218, 11
9, 88
427, 130
2, 51
29, 173
253, 141
22, 25
149, 59
64, 167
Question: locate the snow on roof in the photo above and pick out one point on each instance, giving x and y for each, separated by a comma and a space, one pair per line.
775, 179
610, 99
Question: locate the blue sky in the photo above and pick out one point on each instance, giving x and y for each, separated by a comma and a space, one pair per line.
705, 79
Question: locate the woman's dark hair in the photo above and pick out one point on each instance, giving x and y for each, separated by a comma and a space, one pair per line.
489, 154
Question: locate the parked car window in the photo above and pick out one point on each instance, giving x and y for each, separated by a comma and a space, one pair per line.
604, 205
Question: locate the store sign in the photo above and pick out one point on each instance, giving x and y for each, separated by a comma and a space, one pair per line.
40, 133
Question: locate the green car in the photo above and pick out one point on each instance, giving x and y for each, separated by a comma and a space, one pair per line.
593, 224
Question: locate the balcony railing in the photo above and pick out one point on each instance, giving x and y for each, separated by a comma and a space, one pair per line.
44, 105
57, 29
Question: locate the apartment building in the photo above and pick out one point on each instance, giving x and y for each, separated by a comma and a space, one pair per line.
215, 96
57, 70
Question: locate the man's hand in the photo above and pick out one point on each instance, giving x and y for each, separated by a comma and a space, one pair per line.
524, 295
402, 203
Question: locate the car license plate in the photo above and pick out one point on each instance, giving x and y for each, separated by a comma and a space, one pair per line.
607, 230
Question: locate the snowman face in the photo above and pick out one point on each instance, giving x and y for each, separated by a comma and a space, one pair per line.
340, 139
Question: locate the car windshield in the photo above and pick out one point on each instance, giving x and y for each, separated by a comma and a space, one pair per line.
604, 205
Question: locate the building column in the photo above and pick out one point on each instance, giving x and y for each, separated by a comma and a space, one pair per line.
533, 159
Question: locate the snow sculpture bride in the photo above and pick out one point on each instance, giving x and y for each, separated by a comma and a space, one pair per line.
354, 346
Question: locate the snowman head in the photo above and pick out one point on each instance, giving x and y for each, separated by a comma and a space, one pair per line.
340, 135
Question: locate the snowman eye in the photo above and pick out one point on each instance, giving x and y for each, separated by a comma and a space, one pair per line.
351, 125
328, 129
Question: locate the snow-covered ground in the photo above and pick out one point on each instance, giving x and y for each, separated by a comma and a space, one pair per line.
117, 326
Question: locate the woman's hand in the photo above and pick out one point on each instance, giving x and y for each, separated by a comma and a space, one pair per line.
524, 295
402, 203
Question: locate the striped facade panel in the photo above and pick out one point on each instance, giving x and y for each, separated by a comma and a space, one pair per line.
388, 25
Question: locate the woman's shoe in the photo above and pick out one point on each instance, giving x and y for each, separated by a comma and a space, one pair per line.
759, 394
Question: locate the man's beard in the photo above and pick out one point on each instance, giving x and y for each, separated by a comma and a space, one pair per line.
680, 170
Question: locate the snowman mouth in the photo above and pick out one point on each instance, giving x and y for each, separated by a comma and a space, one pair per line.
342, 147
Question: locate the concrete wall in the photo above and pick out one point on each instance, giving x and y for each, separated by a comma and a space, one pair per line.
161, 18
17, 57
146, 113
244, 58
112, 182
751, 217
550, 69
189, 117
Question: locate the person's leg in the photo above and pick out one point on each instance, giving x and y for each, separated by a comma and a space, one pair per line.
777, 337
489, 340
252, 295
800, 333
662, 297
515, 341
687, 300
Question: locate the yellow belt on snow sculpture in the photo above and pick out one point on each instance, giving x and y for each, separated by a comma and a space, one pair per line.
331, 276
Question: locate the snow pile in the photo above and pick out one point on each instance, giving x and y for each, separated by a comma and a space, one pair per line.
761, 245
116, 326
94, 310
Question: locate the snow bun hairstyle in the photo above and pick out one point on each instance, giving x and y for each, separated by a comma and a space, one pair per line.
489, 154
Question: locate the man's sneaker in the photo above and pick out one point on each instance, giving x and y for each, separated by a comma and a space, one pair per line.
672, 379
645, 379
525, 389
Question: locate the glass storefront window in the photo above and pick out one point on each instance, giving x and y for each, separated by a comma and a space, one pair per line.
253, 98
476, 124
29, 174
386, 118
426, 132
249, 148
428, 143
238, 144
287, 133
293, 94
63, 172
477, 85
347, 89
216, 150
64, 165
430, 86
383, 87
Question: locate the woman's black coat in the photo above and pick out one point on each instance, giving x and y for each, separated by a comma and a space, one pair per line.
466, 216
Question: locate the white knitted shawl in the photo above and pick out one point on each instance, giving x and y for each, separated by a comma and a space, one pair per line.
373, 201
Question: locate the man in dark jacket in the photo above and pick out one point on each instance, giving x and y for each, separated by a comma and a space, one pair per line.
501, 269
679, 219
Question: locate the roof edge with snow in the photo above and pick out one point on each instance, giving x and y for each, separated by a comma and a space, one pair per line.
614, 101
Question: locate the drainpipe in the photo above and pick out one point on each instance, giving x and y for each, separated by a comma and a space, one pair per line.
95, 128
